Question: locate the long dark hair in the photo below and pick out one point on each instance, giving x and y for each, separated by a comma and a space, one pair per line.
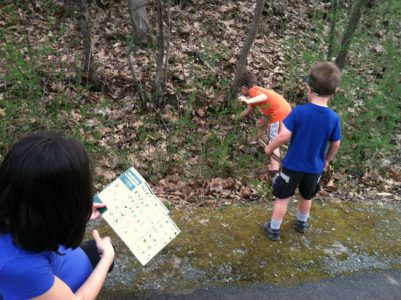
45, 192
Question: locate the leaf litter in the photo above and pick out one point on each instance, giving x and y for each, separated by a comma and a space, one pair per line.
205, 39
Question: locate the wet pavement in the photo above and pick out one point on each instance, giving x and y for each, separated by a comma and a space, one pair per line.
222, 254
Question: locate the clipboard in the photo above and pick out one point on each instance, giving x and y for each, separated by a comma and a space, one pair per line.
137, 216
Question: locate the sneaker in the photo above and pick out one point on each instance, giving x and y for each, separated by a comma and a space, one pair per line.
273, 234
300, 226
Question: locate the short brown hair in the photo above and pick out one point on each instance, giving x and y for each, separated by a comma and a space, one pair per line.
247, 78
324, 78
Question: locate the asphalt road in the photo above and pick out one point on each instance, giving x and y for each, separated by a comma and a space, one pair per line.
385, 285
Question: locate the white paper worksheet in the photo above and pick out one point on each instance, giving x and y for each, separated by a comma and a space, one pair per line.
137, 215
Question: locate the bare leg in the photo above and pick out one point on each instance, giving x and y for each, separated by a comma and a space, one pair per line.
261, 129
302, 214
304, 205
280, 207
274, 164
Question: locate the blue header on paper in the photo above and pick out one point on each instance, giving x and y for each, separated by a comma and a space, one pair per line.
130, 179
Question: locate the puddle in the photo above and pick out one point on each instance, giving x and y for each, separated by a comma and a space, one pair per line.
218, 246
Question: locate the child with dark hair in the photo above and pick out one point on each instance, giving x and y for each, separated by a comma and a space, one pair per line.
309, 127
274, 109
45, 202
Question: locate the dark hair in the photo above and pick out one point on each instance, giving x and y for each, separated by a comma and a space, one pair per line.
45, 192
247, 79
324, 78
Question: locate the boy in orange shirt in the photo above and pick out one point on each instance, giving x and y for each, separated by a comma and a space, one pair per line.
274, 109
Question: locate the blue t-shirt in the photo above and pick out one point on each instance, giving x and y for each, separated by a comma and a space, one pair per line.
312, 127
25, 274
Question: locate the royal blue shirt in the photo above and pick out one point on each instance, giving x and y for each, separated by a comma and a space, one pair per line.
25, 274
312, 127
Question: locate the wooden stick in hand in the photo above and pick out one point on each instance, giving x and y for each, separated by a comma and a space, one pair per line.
274, 156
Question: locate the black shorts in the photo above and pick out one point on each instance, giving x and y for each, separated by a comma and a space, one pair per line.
287, 182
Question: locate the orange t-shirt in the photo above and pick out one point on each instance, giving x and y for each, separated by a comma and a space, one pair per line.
275, 107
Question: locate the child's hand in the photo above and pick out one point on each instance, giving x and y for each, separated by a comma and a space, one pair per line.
327, 167
104, 246
242, 99
267, 151
95, 212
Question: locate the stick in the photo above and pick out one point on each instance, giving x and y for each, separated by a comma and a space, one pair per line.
274, 156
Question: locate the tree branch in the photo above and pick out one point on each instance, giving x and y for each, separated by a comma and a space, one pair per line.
253, 28
349, 32
333, 21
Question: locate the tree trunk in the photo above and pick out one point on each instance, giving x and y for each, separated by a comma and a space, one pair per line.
332, 34
158, 95
89, 70
137, 83
167, 42
247, 45
349, 32
140, 21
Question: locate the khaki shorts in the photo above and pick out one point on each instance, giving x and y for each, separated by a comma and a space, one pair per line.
273, 129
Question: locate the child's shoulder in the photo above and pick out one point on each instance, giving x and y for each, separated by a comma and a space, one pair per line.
312, 109
301, 107
256, 90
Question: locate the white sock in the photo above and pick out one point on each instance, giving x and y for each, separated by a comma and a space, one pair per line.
275, 224
302, 217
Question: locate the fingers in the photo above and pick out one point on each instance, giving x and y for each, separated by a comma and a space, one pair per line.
96, 236
95, 214
95, 210
104, 246
326, 166
98, 205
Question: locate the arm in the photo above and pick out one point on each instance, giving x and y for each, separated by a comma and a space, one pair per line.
246, 112
92, 286
283, 137
256, 99
331, 152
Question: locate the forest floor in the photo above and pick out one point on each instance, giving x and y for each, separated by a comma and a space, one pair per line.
193, 151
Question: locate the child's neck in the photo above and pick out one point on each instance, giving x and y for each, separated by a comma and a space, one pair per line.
317, 100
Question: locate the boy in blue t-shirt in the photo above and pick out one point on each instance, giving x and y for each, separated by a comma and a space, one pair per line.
309, 128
